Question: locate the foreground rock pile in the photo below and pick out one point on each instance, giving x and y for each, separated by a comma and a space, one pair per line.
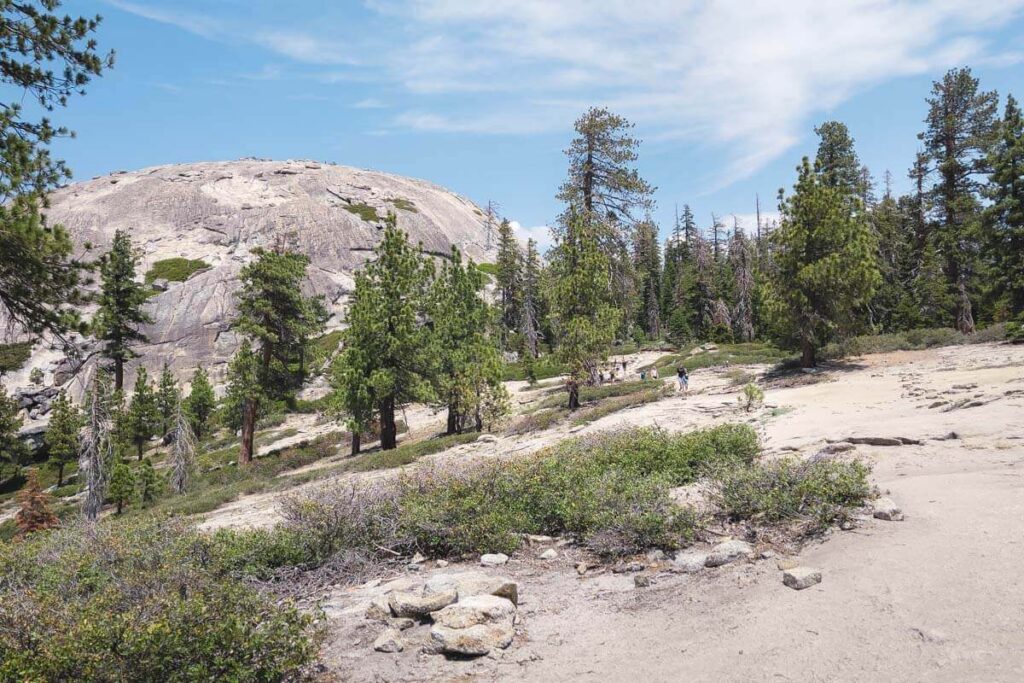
469, 614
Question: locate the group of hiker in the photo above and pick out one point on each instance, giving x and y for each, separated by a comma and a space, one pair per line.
616, 372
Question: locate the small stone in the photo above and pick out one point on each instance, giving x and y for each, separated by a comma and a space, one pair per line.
414, 567
785, 563
887, 509
442, 563
581, 568
549, 554
493, 559
847, 525
379, 609
407, 604
487, 438
799, 578
401, 623
389, 641
767, 554
876, 440
538, 538
728, 552
656, 555
689, 562
641, 580
418, 558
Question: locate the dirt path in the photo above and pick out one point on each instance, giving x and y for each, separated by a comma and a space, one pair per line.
937, 597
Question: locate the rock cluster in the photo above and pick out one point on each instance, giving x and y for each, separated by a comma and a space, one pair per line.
470, 614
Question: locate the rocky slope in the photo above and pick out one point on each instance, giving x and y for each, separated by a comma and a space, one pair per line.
219, 211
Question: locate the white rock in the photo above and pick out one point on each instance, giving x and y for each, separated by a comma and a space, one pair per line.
493, 559
389, 641
379, 609
487, 438
887, 509
549, 554
689, 562
728, 552
799, 578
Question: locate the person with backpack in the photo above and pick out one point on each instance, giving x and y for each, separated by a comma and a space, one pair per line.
684, 379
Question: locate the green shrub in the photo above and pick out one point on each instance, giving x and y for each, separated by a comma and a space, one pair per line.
488, 268
407, 453
816, 492
911, 340
404, 204
544, 367
139, 601
751, 397
13, 356
175, 269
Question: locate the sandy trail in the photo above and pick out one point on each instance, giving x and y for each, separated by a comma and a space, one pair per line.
937, 597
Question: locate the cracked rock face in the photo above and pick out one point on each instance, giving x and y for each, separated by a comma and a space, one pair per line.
219, 211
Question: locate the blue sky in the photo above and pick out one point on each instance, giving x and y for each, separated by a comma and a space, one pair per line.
480, 96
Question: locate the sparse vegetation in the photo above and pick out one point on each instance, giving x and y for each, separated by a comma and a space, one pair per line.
751, 397
364, 211
925, 338
404, 204
406, 453
14, 356
176, 269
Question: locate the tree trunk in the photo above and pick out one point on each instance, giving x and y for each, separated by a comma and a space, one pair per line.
807, 354
574, 395
357, 442
118, 374
453, 419
138, 449
120, 504
248, 430
388, 430
60, 475
964, 312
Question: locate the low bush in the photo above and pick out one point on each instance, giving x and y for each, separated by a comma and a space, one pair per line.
406, 453
175, 269
139, 601
815, 492
14, 356
544, 367
911, 340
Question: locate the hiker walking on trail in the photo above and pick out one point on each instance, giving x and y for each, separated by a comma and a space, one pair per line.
654, 372
684, 379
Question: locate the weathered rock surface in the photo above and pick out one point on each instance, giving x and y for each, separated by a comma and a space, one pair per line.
728, 552
689, 562
474, 626
799, 578
219, 211
473, 583
493, 559
409, 604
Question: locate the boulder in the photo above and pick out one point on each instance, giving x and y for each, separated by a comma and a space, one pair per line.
379, 609
473, 583
548, 554
728, 552
474, 626
887, 509
799, 578
389, 641
409, 604
161, 285
689, 562
493, 559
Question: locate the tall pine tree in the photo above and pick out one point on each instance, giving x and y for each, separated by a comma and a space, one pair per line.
1004, 218
121, 299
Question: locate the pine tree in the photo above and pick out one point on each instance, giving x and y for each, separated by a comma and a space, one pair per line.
167, 396
45, 58
582, 308
530, 312
34, 513
607, 191
148, 482
647, 259
960, 130
12, 450
892, 223
122, 485
741, 256
143, 417
200, 404
97, 452
182, 455
836, 161
387, 351
467, 377
121, 299
63, 434
825, 264
509, 278
1004, 218
244, 388
274, 315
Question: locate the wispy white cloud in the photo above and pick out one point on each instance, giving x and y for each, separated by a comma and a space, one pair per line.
541, 234
369, 103
304, 47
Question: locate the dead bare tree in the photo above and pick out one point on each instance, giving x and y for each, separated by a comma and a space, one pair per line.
183, 450
97, 450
